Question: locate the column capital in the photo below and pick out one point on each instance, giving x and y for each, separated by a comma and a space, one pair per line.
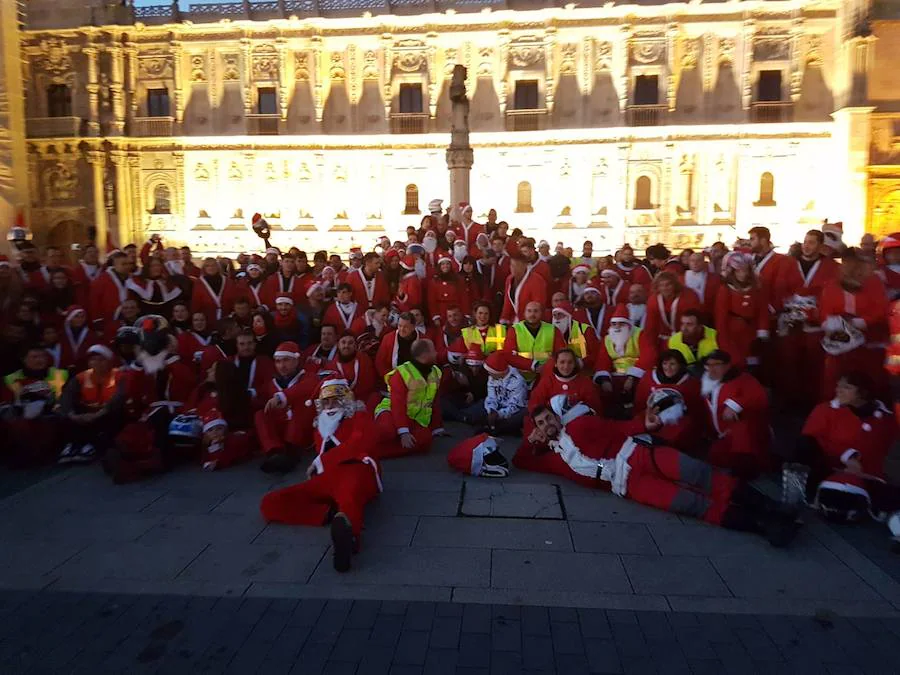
95, 157
118, 157
134, 161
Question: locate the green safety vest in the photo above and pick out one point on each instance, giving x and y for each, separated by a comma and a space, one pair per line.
56, 379
496, 336
621, 364
707, 346
420, 396
538, 348
577, 339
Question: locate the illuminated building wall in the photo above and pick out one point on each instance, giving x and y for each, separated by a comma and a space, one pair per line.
677, 122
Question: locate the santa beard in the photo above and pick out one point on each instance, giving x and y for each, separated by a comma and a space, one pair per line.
328, 421
636, 313
695, 281
563, 325
421, 268
175, 267
459, 253
430, 244
152, 363
708, 385
619, 336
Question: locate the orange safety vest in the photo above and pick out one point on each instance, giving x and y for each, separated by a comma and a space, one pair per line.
93, 396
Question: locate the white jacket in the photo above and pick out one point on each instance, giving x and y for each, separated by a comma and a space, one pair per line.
506, 396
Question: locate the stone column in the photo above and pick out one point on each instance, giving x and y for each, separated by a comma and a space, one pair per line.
246, 76
749, 30
178, 76
137, 215
549, 69
119, 159
319, 75
13, 156
93, 89
281, 46
97, 160
131, 64
851, 136
116, 78
459, 154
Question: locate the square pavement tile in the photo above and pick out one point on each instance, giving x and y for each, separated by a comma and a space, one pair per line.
557, 571
512, 533
608, 508
205, 528
673, 575
511, 500
183, 501
31, 560
760, 576
701, 539
417, 566
150, 562
253, 562
416, 503
612, 538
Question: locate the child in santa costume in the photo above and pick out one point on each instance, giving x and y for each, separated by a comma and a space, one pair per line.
283, 426
77, 338
741, 311
625, 459
222, 448
342, 478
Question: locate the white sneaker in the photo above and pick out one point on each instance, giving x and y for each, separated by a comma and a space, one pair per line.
210, 466
87, 454
68, 454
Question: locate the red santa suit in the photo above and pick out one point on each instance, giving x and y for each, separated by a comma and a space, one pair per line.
277, 285
257, 374
191, 346
741, 444
342, 315
369, 292
74, 348
252, 290
214, 305
801, 359
577, 388
315, 357
602, 454
634, 274
469, 233
409, 292
511, 344
614, 295
82, 277
152, 294
444, 293
365, 323
287, 428
516, 296
346, 478
232, 448
388, 356
741, 316
706, 285
394, 421
360, 375
773, 270
664, 315
867, 310
108, 292
597, 318
890, 275
687, 432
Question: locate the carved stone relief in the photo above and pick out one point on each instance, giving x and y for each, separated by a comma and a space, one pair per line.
771, 46
370, 65
201, 173
271, 173
648, 52
231, 68
568, 53
337, 70
814, 51
409, 61
264, 63
726, 52
55, 59
690, 55
301, 66
450, 57
155, 65
486, 62
198, 68
61, 182
525, 55
603, 56
234, 172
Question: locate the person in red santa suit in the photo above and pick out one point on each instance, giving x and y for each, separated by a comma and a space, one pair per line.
630, 269
479, 456
214, 293
626, 459
316, 356
534, 339
221, 446
459, 251
854, 311
192, 343
444, 290
482, 333
448, 337
625, 355
613, 289
342, 478
528, 250
344, 310
596, 314
151, 247
370, 288
578, 336
671, 373
77, 339
284, 282
704, 283
253, 284
741, 313
468, 230
637, 305
409, 294
152, 289
396, 345
738, 417
357, 368
283, 429
472, 285
667, 303
85, 272
801, 359
578, 281
409, 417
128, 315
523, 286
889, 267
108, 291
254, 369
565, 377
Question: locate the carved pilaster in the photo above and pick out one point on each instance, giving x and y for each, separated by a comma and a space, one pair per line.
93, 89
796, 58
281, 47
710, 44
431, 62
131, 73
178, 75
97, 160
622, 48
587, 63
503, 91
320, 76
246, 79
137, 214
119, 159
749, 30
672, 66
353, 75
178, 201
549, 70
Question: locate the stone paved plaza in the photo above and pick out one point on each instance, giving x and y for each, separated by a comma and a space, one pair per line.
456, 575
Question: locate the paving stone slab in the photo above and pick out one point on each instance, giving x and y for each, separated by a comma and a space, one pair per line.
338, 590
254, 562
422, 481
593, 537
417, 566
206, 528
556, 571
187, 501
542, 598
673, 575
487, 533
605, 507
510, 500
781, 605
134, 560
416, 503
700, 539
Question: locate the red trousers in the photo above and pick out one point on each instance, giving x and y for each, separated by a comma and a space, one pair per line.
744, 450
346, 488
389, 442
864, 359
801, 360
238, 446
277, 431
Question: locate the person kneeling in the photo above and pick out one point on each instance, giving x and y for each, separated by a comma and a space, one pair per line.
342, 478
623, 458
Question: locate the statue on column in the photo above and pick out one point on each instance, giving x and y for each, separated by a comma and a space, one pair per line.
459, 154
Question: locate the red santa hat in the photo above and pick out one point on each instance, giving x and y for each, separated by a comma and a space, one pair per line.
287, 350
482, 240
272, 251
356, 252
834, 234
621, 314
313, 288
591, 289
101, 350
209, 357
408, 262
254, 266
456, 351
284, 298
890, 241
474, 355
434, 206
610, 273
213, 419
497, 363
479, 456
444, 258
72, 311
565, 307
391, 254
581, 268
736, 260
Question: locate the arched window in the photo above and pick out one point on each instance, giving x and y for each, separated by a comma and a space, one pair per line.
523, 198
642, 189
412, 199
162, 199
766, 190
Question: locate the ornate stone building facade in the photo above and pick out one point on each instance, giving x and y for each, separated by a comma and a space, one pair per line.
605, 121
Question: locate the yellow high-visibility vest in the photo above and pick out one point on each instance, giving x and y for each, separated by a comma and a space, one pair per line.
421, 393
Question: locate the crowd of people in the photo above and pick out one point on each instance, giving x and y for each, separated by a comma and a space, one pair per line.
654, 379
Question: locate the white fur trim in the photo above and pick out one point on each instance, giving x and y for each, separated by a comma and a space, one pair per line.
634, 371
101, 350
734, 405
401, 430
284, 298
849, 454
843, 487
286, 355
212, 424
762, 334
859, 323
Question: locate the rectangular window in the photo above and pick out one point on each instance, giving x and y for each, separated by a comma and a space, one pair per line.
526, 96
157, 103
768, 86
646, 90
266, 103
59, 101
411, 98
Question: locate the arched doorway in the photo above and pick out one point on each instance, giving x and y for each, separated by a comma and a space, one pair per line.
886, 214
66, 233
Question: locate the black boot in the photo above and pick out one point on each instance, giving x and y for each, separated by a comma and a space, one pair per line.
341, 542
778, 526
741, 519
